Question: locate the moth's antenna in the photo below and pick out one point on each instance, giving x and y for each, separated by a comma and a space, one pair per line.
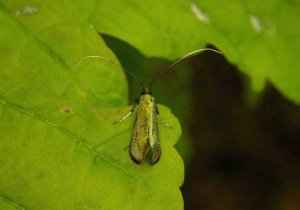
112, 62
159, 74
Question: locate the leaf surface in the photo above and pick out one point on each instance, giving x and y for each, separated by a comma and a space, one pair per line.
59, 148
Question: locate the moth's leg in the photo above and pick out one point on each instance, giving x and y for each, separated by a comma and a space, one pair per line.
156, 109
162, 121
127, 147
129, 113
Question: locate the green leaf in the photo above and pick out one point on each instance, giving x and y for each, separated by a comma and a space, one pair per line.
259, 37
59, 148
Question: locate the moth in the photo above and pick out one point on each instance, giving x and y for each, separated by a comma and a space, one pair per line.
145, 137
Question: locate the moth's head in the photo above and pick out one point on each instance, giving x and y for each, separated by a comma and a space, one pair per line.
146, 91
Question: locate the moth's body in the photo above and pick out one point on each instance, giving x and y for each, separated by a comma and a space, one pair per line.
145, 136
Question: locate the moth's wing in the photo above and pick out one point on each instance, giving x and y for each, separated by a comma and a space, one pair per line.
139, 144
155, 146
156, 153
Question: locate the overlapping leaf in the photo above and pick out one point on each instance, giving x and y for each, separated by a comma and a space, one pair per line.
259, 37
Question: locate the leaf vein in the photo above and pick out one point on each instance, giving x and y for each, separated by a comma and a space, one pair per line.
73, 137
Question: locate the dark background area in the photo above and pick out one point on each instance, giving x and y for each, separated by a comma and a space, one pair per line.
240, 148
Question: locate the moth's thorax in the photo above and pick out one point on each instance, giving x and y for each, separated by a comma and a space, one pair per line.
147, 98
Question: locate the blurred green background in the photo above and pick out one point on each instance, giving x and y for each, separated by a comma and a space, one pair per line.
241, 149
